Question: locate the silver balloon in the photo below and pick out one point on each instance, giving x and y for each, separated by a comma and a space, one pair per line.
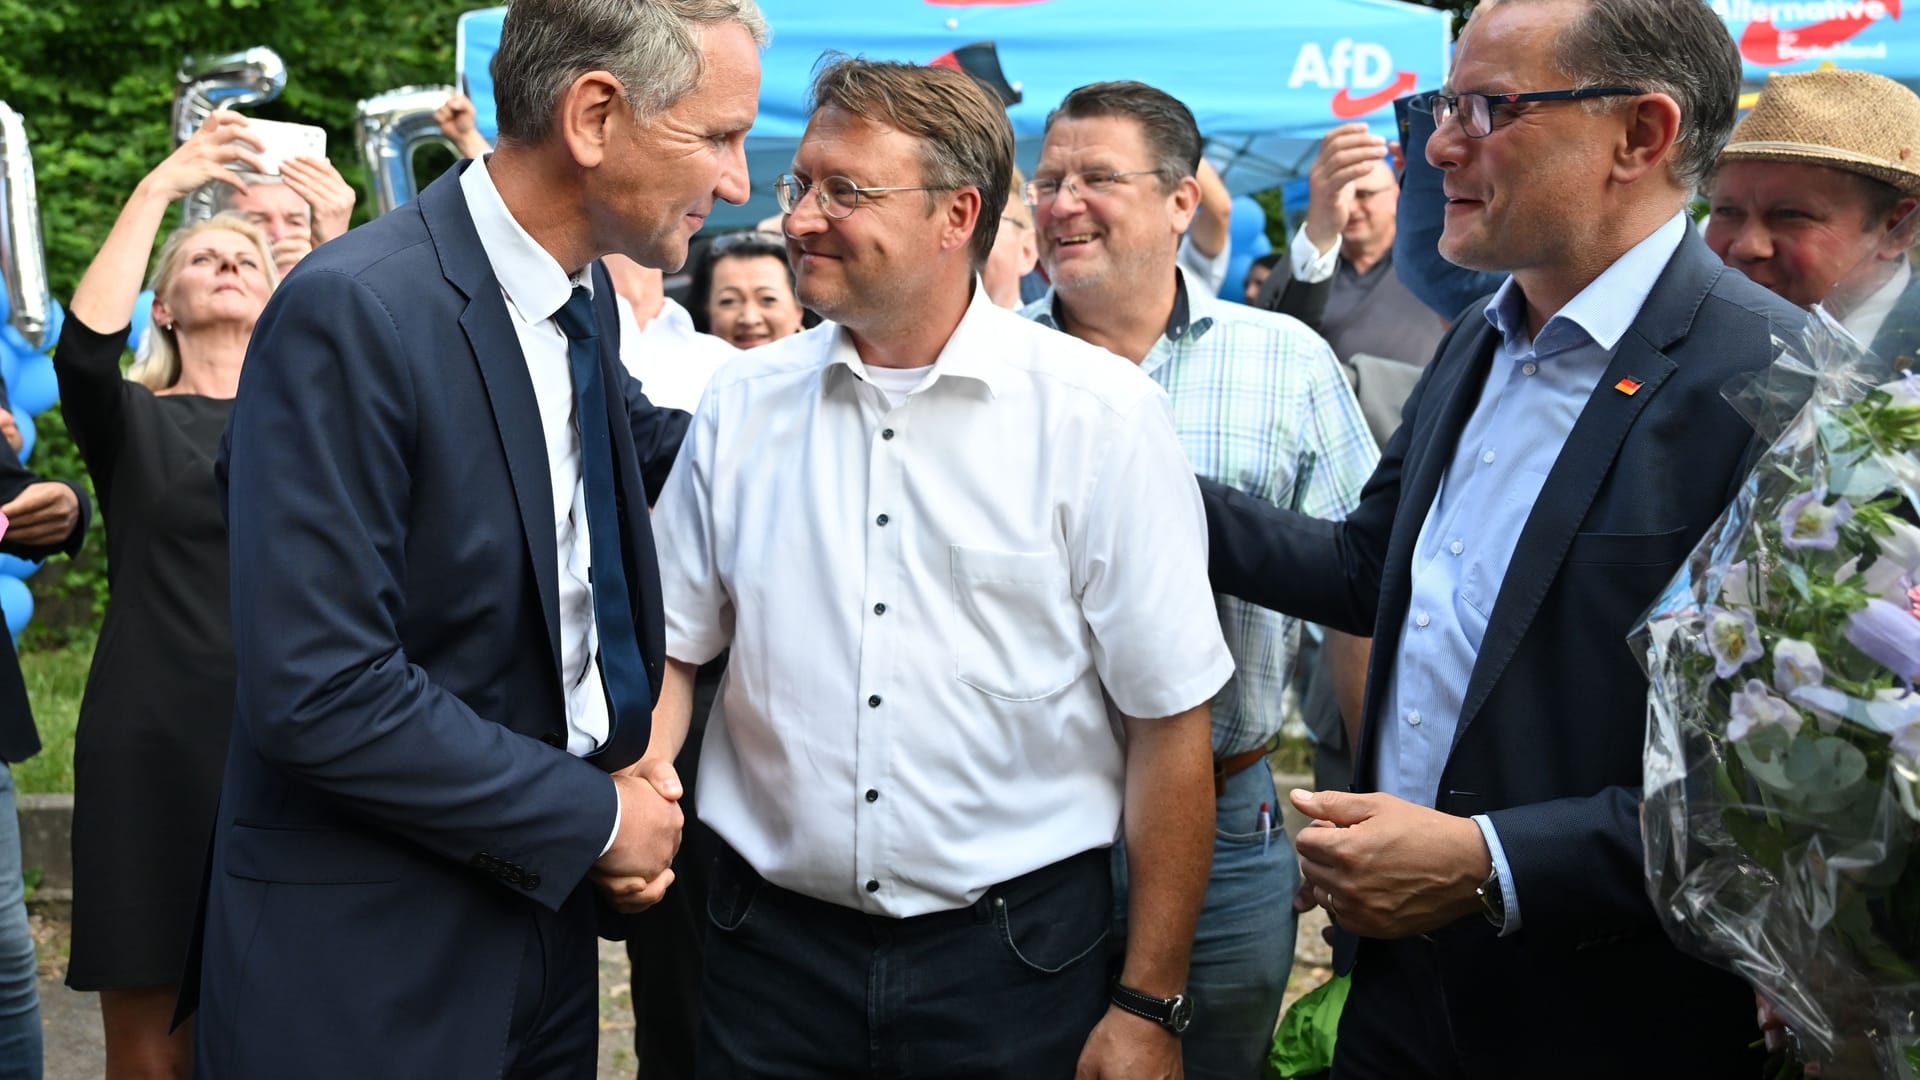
23, 260
253, 77
393, 126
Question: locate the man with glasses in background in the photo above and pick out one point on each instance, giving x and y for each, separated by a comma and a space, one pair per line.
1558, 460
961, 563
1259, 403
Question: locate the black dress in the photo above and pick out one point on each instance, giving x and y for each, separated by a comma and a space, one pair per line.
152, 736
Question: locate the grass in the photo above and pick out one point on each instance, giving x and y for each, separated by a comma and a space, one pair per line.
56, 677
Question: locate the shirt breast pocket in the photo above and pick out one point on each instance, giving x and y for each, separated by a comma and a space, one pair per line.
1016, 629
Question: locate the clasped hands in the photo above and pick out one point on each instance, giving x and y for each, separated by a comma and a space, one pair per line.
1384, 867
634, 873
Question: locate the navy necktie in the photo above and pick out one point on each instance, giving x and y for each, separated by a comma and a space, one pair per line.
629, 692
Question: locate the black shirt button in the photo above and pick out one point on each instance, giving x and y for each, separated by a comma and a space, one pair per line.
872, 885
887, 434
872, 795
879, 609
881, 520
873, 702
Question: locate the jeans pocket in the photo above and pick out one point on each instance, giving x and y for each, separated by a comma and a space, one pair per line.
1059, 928
730, 895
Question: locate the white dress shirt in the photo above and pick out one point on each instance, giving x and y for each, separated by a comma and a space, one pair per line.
535, 288
1209, 273
672, 360
1864, 322
930, 605
1311, 265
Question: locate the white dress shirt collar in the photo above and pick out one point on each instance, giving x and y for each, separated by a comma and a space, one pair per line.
1864, 322
971, 352
533, 280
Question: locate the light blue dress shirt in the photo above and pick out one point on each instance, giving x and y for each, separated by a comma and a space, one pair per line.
1534, 392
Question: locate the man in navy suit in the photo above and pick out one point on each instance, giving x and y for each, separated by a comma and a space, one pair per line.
1559, 458
446, 611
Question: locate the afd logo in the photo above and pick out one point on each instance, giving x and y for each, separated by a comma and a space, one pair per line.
1347, 67
1791, 31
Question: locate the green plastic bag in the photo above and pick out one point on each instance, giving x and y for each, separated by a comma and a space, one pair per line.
1303, 1044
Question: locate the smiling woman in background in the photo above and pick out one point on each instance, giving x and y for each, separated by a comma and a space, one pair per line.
743, 291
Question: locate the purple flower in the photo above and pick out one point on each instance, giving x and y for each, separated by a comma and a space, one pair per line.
1754, 708
1888, 634
1897, 570
1808, 522
1906, 742
1733, 638
1796, 664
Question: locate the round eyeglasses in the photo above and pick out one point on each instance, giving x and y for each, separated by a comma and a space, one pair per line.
839, 197
1092, 183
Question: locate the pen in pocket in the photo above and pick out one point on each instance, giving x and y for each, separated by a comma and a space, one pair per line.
1266, 830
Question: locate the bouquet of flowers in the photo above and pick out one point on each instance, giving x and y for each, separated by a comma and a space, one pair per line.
1783, 745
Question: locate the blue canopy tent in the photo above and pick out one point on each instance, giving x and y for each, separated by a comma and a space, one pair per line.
1264, 80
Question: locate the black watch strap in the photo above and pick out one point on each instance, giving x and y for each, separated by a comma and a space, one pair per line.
1173, 1013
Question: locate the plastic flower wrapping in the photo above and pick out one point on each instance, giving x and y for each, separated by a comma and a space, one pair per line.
1782, 808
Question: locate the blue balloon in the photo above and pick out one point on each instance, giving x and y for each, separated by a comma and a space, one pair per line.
16, 603
1247, 231
10, 360
34, 387
56, 318
27, 435
142, 318
14, 566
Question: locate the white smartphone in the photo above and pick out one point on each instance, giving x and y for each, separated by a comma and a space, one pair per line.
280, 140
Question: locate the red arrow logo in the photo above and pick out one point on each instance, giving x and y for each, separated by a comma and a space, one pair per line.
1763, 42
1348, 107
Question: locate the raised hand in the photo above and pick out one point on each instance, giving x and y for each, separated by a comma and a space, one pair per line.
221, 142
1346, 154
456, 122
321, 185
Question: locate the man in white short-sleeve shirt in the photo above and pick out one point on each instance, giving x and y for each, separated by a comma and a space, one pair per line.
940, 541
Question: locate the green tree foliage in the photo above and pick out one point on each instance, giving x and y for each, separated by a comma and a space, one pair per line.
94, 81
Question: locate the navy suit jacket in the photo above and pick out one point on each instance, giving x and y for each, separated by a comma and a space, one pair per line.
398, 795
1554, 713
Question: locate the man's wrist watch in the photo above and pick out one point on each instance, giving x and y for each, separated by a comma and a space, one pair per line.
1173, 1013
1493, 902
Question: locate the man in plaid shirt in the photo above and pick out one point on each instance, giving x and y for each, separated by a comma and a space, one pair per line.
1259, 403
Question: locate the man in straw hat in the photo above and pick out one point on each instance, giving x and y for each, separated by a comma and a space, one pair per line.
1811, 195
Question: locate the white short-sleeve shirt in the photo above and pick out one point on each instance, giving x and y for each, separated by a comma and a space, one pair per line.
931, 605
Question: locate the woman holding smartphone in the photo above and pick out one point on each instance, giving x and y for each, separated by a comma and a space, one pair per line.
152, 737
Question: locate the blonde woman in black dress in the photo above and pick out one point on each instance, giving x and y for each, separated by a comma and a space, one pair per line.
154, 723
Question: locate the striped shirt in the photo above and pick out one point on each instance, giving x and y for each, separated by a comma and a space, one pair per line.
1259, 403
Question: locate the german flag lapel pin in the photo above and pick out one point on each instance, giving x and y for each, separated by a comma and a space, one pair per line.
1628, 387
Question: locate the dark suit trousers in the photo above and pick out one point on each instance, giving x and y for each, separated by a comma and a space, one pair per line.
554, 1033
1404, 1015
664, 945
1007, 988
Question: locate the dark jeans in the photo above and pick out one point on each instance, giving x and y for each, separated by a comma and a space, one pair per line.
1009, 987
664, 942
